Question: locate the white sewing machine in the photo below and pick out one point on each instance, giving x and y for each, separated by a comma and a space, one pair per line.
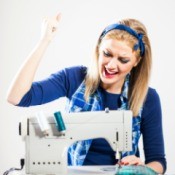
47, 154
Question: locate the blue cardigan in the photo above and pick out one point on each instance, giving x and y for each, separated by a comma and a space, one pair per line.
65, 82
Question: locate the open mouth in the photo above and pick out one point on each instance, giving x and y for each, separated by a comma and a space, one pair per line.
109, 74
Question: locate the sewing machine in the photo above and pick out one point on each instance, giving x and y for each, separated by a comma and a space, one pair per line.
47, 153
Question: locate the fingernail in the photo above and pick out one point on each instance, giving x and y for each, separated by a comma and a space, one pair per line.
126, 163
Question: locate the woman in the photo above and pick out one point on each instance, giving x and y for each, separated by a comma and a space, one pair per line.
118, 79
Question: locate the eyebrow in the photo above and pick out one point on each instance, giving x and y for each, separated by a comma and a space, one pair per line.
124, 55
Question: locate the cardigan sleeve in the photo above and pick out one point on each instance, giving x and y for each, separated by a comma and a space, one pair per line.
60, 84
152, 131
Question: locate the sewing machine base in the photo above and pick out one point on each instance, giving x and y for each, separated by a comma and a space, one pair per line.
104, 170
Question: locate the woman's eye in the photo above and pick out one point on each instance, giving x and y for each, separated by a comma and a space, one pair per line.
124, 60
107, 54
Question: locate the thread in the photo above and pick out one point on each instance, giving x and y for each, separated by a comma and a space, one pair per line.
59, 122
43, 124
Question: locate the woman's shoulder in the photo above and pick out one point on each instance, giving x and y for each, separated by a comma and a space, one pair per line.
75, 73
152, 101
152, 94
74, 76
75, 69
70, 73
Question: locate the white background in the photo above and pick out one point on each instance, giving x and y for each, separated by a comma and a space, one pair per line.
81, 24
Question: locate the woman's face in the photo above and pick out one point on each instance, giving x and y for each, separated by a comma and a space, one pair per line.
116, 60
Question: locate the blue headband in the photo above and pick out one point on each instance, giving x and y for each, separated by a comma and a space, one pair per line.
139, 36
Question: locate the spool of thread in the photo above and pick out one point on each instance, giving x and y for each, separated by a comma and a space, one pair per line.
59, 122
43, 124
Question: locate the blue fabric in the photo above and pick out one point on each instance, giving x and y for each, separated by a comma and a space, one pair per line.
65, 82
139, 36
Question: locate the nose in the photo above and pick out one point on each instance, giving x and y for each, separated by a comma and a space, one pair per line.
112, 64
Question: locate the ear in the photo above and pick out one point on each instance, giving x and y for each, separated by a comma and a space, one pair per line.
137, 62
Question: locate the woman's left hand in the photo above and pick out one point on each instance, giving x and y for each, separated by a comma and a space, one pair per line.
131, 160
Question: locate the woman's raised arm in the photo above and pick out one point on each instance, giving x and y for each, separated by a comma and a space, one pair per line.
23, 80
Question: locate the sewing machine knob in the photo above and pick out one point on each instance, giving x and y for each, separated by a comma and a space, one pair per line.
20, 128
106, 110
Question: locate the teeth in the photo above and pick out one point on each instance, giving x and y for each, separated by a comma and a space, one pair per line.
112, 73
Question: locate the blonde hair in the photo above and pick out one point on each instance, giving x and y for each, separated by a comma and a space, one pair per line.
140, 74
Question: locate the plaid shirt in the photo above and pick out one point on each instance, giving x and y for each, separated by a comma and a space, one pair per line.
78, 151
